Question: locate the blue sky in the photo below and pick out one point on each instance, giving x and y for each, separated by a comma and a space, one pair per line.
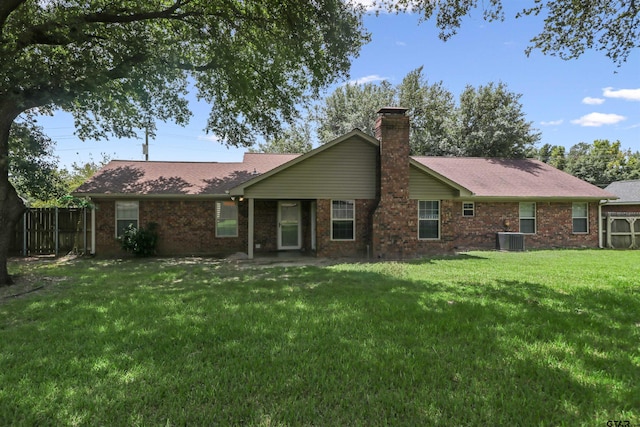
568, 101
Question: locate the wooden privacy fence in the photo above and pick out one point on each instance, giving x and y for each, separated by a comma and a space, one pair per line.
53, 231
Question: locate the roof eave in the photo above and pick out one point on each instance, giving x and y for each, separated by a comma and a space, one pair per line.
530, 198
149, 196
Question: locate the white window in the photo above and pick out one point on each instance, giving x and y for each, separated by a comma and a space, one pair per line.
126, 215
468, 209
580, 215
226, 218
343, 220
429, 219
528, 217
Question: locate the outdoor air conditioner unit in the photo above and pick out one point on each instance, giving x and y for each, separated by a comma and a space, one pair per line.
510, 241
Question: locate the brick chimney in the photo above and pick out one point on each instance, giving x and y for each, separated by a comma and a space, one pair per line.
394, 220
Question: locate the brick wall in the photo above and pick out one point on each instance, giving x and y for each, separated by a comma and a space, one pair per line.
184, 227
458, 233
554, 226
188, 227
334, 249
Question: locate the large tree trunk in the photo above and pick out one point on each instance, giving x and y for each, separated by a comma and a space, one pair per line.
11, 206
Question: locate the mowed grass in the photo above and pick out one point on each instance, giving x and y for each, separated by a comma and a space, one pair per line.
483, 338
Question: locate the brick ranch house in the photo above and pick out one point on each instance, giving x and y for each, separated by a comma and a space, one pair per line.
356, 196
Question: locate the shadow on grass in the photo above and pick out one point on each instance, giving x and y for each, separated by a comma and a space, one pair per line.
142, 343
456, 257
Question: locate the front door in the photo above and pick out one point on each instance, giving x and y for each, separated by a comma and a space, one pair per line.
289, 225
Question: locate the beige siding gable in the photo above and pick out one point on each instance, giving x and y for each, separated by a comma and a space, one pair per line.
346, 170
423, 186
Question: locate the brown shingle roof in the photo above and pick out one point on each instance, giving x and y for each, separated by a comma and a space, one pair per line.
178, 178
491, 177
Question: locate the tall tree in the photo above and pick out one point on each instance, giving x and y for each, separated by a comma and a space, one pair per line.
294, 139
432, 110
602, 162
570, 27
557, 159
489, 120
115, 63
352, 107
491, 123
33, 168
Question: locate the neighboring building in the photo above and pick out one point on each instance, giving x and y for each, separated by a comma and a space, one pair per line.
356, 196
622, 216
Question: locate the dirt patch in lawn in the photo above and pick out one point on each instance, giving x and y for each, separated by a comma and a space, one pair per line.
25, 284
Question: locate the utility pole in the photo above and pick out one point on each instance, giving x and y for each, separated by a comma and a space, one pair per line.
145, 146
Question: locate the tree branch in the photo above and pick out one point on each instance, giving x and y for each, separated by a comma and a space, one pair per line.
6, 7
43, 33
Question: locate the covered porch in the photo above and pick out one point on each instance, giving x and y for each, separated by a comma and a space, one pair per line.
281, 226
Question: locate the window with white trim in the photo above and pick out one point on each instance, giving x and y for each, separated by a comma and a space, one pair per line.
343, 220
468, 209
127, 213
429, 219
226, 218
528, 217
580, 217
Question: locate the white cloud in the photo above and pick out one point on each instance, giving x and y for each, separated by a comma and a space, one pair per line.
367, 79
592, 101
401, 44
626, 94
210, 138
552, 122
598, 119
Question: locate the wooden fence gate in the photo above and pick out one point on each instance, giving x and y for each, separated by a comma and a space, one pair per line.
53, 231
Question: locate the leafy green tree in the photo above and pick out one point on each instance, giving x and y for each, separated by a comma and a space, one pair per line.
114, 64
491, 123
294, 139
432, 110
602, 162
352, 107
557, 158
570, 27
33, 168
489, 120
78, 173
543, 153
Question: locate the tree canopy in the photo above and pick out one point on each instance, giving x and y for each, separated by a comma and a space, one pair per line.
491, 123
570, 27
33, 169
486, 121
600, 163
114, 64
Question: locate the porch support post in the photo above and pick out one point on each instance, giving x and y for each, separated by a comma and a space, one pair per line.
93, 230
600, 226
250, 229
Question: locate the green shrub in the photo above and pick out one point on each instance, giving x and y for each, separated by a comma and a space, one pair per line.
140, 241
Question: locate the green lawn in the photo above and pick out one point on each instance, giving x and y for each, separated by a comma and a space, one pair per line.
484, 338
